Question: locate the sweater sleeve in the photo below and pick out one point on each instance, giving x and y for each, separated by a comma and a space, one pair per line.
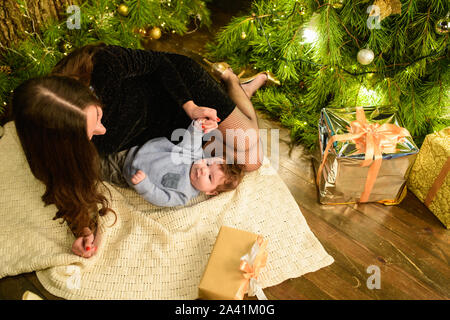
160, 197
192, 137
115, 63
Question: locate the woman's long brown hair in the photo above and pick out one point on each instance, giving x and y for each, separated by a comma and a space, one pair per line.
51, 125
79, 63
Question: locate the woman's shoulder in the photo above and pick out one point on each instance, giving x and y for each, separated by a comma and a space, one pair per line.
120, 51
113, 55
108, 51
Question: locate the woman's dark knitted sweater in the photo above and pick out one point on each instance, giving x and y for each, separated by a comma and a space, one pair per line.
142, 93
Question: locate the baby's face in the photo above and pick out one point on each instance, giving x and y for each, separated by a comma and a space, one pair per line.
207, 174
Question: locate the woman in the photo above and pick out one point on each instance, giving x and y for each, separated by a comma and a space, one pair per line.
141, 95
55, 118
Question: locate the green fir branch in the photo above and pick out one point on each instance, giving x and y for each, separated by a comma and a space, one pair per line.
409, 71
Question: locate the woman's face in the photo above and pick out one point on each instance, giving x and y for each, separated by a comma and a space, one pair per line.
94, 124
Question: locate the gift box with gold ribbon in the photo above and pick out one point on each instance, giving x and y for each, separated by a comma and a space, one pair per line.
234, 266
365, 156
429, 179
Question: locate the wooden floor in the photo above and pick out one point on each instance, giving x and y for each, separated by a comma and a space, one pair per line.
406, 242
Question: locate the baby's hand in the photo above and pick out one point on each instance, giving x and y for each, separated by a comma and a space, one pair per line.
138, 177
205, 124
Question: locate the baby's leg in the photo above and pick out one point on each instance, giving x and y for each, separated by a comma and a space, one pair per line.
111, 168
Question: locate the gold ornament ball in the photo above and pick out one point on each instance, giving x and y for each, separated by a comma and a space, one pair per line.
442, 26
302, 10
243, 35
155, 33
123, 9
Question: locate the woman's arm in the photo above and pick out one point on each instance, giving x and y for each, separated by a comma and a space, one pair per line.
208, 114
115, 63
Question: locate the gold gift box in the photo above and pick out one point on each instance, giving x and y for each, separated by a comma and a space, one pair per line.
430, 163
222, 277
343, 178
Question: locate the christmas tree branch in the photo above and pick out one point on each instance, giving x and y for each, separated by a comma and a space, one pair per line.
348, 32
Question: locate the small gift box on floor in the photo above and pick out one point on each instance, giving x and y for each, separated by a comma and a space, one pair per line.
233, 267
365, 156
429, 179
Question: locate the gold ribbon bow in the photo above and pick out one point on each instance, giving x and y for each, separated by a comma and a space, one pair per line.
371, 139
251, 264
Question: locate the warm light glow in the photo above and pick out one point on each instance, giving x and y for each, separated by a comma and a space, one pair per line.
368, 97
310, 32
368, 93
309, 35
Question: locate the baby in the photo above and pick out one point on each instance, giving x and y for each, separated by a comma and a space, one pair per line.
168, 174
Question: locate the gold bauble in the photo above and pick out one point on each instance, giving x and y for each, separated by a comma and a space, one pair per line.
243, 35
302, 10
122, 9
154, 33
386, 8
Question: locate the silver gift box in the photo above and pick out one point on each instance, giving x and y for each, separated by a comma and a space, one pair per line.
343, 178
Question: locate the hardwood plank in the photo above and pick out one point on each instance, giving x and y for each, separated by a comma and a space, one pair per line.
353, 255
411, 229
371, 236
413, 205
296, 289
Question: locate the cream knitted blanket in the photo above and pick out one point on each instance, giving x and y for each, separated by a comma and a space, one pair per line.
150, 252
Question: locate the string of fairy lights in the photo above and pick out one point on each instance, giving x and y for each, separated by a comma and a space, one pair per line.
321, 65
258, 19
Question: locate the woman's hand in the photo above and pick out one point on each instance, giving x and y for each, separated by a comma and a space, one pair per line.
206, 125
194, 112
86, 245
